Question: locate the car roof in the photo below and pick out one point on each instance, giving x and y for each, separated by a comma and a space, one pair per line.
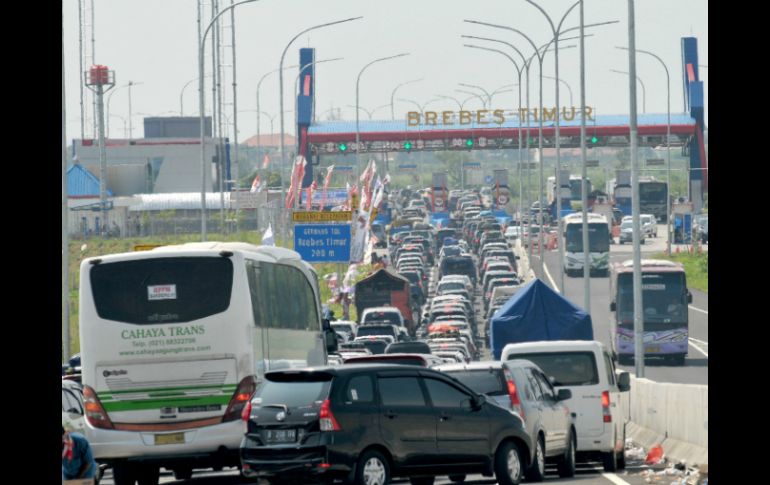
486, 364
556, 345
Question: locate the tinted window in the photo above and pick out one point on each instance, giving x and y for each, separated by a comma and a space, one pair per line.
281, 297
367, 330
359, 390
445, 396
568, 368
292, 393
483, 381
162, 290
610, 370
537, 393
401, 391
409, 348
545, 386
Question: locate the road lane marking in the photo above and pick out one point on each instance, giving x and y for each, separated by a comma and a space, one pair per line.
615, 479
548, 274
697, 309
696, 347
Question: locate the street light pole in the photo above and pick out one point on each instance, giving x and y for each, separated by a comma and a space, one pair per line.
584, 171
259, 85
569, 89
644, 91
358, 84
393, 94
486, 93
559, 225
280, 89
519, 71
476, 95
201, 106
637, 277
527, 63
668, 144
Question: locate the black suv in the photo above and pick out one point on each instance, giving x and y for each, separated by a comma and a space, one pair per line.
367, 423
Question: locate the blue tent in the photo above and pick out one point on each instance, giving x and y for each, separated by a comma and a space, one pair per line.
535, 313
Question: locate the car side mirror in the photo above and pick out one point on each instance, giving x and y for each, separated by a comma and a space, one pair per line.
612, 306
624, 382
563, 395
477, 401
689, 297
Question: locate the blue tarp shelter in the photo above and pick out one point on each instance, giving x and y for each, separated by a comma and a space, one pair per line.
535, 313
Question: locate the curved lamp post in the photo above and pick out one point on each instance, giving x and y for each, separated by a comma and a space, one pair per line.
201, 105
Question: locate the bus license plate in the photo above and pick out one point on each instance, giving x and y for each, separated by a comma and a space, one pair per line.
169, 439
280, 435
652, 349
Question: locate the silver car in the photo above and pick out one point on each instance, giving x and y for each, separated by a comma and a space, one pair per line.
522, 387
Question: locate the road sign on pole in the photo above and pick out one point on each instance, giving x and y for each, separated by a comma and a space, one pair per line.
323, 243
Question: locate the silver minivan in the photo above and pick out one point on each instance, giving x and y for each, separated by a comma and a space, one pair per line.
522, 387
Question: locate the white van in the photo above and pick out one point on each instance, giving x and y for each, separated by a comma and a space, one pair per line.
585, 368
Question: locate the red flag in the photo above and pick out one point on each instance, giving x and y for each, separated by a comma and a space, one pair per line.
265, 162
255, 184
326, 185
310, 190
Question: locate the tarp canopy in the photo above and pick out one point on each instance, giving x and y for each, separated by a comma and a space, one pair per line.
536, 313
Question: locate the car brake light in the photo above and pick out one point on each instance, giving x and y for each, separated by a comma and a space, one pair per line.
514, 396
95, 413
246, 411
328, 423
241, 397
606, 416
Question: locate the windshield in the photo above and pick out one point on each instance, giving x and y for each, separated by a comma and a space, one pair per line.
567, 368
390, 317
627, 225
653, 192
483, 381
451, 285
664, 299
598, 238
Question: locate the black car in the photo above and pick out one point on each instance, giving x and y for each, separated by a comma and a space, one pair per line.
367, 423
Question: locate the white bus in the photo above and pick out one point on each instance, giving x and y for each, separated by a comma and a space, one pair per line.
598, 243
175, 340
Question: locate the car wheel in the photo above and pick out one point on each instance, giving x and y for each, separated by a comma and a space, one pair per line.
124, 474
148, 475
372, 469
536, 472
610, 461
457, 478
566, 465
622, 459
422, 480
183, 473
508, 466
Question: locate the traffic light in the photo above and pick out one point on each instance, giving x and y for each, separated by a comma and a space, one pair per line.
407, 145
343, 147
469, 143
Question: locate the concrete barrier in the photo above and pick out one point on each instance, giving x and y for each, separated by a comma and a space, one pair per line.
672, 415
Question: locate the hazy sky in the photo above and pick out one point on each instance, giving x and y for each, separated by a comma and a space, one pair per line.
154, 42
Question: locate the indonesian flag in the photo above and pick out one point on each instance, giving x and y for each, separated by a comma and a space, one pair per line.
297, 173
265, 162
310, 190
379, 188
255, 184
328, 179
386, 180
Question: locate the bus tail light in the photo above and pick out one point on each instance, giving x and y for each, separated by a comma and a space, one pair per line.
94, 411
240, 398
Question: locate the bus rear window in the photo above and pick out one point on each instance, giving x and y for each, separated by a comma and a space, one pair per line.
162, 290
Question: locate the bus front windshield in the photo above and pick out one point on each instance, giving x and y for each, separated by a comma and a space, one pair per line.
653, 192
663, 298
598, 238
